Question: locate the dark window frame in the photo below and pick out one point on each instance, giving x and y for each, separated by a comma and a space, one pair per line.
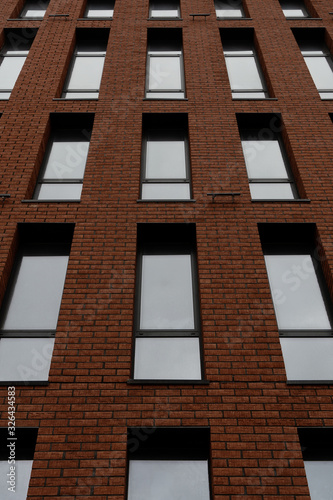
175, 5
29, 3
244, 37
248, 133
108, 4
301, 5
306, 243
169, 443
65, 126
86, 37
182, 248
159, 36
166, 126
240, 6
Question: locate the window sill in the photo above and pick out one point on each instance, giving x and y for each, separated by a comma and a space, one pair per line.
234, 18
167, 382
254, 98
24, 383
167, 201
309, 382
165, 99
75, 99
282, 200
164, 19
95, 18
26, 19
303, 18
50, 201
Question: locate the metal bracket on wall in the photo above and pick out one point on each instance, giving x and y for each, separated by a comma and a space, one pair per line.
199, 15
213, 195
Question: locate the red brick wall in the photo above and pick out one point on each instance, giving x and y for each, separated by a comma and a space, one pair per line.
84, 412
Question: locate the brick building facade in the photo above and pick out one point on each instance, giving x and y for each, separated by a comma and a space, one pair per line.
176, 314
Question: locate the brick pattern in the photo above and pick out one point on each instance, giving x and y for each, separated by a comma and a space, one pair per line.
84, 412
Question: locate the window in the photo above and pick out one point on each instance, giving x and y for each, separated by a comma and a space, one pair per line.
15, 472
61, 176
229, 8
167, 343
317, 451
317, 58
99, 9
265, 158
165, 74
301, 300
164, 9
246, 79
30, 309
34, 9
165, 157
294, 8
86, 68
12, 58
168, 463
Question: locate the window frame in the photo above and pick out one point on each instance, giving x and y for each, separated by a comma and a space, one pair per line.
284, 4
81, 135
85, 37
316, 37
169, 443
156, 18
299, 239
243, 41
165, 42
248, 132
89, 5
44, 244
31, 3
13, 50
166, 126
240, 7
316, 445
25, 444
149, 247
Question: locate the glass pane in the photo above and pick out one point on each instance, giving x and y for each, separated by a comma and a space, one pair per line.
36, 298
164, 358
165, 160
295, 12
80, 95
164, 13
264, 160
9, 71
165, 95
4, 95
164, 73
166, 293
293, 8
25, 359
249, 95
321, 72
320, 479
22, 477
243, 73
34, 13
86, 73
67, 160
59, 192
229, 8
274, 191
166, 191
296, 293
168, 479
307, 358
